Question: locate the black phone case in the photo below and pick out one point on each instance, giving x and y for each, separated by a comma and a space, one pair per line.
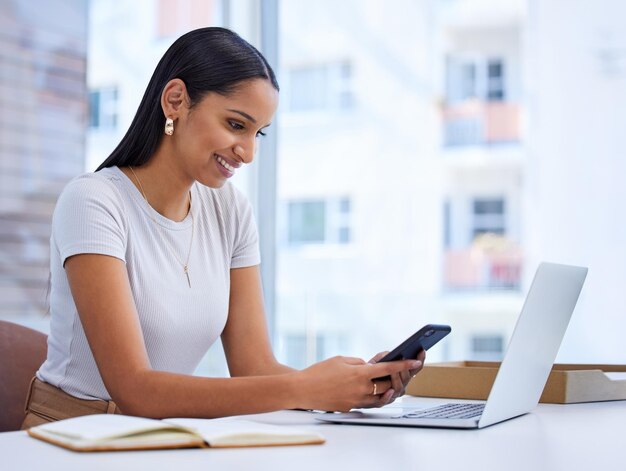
423, 339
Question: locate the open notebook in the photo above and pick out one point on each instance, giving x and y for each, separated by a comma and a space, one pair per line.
108, 432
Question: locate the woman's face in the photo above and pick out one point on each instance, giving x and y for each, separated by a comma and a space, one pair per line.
220, 133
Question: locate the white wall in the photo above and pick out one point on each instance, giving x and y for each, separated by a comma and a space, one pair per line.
576, 193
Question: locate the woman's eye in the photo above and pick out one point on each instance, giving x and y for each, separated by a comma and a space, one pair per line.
240, 127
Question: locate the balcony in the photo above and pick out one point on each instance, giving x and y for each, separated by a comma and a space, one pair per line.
481, 123
491, 263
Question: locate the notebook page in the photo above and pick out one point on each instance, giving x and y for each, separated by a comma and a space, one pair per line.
245, 432
101, 426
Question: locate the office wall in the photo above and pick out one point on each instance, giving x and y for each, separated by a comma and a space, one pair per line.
576, 95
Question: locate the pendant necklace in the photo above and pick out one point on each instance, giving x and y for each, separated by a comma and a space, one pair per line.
184, 264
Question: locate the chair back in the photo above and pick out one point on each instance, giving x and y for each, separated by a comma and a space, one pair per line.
22, 351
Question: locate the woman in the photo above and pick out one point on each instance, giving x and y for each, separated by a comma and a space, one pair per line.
155, 255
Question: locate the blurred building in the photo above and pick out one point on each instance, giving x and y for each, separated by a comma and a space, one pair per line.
430, 154
43, 99
400, 176
484, 164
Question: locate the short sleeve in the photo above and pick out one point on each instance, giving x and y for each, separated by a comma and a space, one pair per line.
246, 241
89, 219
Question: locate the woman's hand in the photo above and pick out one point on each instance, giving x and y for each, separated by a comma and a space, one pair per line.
400, 380
344, 383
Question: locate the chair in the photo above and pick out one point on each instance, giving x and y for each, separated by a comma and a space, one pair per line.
22, 351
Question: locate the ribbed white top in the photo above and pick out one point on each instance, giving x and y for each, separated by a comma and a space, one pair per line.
104, 213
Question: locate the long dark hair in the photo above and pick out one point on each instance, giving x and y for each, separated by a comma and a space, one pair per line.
206, 60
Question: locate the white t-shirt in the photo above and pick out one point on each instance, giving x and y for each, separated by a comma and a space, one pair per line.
104, 213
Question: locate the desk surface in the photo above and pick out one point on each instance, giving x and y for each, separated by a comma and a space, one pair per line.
552, 437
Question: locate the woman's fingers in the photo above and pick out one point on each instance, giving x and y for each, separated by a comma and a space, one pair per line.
392, 376
381, 370
343, 383
377, 357
400, 378
396, 384
421, 357
376, 388
377, 401
352, 360
405, 377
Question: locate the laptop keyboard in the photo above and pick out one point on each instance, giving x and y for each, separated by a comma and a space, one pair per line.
447, 411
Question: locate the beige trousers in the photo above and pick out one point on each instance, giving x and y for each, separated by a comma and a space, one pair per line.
47, 403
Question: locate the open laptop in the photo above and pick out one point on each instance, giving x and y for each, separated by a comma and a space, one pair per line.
524, 371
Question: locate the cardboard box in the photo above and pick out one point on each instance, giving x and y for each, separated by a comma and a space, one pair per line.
473, 380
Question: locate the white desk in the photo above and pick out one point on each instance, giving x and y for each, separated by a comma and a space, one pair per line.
551, 438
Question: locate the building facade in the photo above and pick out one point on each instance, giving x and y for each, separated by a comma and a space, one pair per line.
43, 97
426, 161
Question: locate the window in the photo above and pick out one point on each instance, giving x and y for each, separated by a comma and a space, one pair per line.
487, 347
307, 222
371, 57
475, 77
103, 108
480, 252
324, 87
447, 221
342, 221
321, 221
495, 80
468, 81
477, 111
488, 217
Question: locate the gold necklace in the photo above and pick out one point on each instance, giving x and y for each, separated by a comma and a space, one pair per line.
185, 264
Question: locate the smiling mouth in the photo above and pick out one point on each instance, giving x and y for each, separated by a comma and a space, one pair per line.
225, 164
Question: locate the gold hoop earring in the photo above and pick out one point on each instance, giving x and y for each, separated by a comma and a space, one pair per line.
169, 126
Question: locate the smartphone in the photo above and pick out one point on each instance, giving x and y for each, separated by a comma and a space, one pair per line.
423, 339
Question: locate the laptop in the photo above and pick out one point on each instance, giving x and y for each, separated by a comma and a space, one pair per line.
524, 370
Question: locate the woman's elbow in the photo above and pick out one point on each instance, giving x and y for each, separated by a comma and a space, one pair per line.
133, 396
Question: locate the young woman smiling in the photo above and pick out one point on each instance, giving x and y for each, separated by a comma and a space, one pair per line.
155, 255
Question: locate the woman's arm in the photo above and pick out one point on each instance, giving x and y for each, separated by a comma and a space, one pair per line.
246, 341
245, 338
103, 297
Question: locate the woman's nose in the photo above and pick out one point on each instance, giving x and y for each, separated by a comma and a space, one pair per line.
245, 152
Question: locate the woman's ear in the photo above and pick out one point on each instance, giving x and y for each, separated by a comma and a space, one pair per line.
174, 98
